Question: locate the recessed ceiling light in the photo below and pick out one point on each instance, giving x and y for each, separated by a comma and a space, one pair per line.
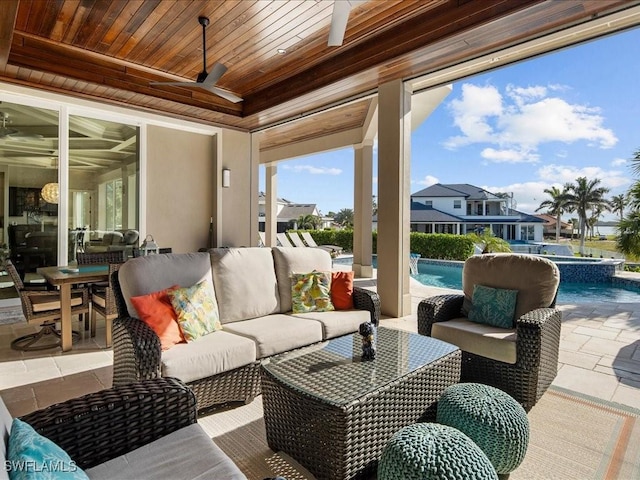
281, 51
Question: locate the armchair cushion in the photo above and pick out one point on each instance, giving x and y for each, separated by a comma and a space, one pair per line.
536, 289
484, 340
311, 292
493, 306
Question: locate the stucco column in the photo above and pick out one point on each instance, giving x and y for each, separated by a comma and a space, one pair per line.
271, 205
394, 154
363, 210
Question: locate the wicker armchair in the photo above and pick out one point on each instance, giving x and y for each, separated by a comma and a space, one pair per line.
521, 361
101, 426
44, 306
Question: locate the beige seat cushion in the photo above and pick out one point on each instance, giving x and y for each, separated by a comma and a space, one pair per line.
245, 283
211, 354
338, 322
277, 333
43, 303
185, 453
297, 260
99, 300
535, 278
484, 340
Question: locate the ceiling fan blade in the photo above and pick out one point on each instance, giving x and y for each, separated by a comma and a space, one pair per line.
216, 72
339, 19
227, 95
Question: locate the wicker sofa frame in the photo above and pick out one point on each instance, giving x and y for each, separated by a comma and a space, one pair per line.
101, 426
137, 355
538, 338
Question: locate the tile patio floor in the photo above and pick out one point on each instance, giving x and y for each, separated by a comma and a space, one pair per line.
599, 356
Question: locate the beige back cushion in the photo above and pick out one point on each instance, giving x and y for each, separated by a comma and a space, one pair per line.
535, 278
290, 260
143, 275
245, 283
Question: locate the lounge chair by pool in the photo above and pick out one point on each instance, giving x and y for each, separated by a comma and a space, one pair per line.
312, 243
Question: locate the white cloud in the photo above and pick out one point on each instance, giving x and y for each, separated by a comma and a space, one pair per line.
428, 180
517, 123
612, 179
618, 162
313, 170
509, 156
528, 196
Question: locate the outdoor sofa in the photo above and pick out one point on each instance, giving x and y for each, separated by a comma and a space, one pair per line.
253, 290
144, 430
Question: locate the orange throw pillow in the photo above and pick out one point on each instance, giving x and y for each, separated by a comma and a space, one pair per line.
342, 290
155, 310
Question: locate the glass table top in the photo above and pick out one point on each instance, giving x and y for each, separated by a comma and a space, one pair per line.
334, 371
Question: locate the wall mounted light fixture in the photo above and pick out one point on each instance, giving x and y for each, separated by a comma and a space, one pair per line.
226, 177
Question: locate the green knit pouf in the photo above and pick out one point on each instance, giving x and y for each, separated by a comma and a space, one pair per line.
494, 420
428, 451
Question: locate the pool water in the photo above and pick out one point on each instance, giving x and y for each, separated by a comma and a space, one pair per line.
451, 277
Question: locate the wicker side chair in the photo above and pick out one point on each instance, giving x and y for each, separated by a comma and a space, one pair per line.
40, 305
523, 360
103, 302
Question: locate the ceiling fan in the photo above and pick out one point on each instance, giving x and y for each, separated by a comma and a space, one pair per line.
339, 19
8, 133
206, 81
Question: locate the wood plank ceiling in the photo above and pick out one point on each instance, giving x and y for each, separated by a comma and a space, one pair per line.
110, 50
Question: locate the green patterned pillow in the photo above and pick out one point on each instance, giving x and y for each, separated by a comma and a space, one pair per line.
493, 306
311, 292
197, 310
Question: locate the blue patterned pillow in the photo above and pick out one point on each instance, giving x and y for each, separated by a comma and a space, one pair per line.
32, 456
493, 306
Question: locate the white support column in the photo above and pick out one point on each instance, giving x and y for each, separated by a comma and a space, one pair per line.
254, 190
363, 210
271, 205
394, 154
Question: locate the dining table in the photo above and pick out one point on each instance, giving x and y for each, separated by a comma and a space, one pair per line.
64, 278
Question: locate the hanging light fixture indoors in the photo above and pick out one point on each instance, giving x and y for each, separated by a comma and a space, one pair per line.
50, 193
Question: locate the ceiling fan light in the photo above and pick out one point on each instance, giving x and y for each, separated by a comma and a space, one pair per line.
51, 193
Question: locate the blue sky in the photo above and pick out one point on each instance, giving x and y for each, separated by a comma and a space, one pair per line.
520, 129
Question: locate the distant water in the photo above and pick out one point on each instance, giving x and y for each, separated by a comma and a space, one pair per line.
605, 230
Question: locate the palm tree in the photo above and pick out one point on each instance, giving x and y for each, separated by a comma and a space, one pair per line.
344, 217
618, 204
556, 206
308, 222
489, 242
585, 196
627, 237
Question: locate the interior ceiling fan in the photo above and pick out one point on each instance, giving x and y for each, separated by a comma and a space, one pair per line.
206, 81
339, 19
9, 133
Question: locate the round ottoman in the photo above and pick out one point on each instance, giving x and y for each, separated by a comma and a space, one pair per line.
491, 418
428, 451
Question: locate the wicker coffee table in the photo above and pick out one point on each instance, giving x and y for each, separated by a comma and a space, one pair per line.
334, 413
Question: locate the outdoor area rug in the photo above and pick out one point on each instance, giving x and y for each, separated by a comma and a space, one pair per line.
10, 315
573, 436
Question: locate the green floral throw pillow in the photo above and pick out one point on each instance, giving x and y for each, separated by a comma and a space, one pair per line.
493, 306
197, 310
311, 292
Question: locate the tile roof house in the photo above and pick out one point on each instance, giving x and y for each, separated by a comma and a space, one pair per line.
461, 208
289, 212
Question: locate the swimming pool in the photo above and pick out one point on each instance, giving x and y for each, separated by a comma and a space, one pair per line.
450, 276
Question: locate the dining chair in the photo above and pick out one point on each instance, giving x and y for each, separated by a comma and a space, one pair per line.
103, 302
41, 305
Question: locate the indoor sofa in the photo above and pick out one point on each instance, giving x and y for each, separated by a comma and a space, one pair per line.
253, 290
144, 430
